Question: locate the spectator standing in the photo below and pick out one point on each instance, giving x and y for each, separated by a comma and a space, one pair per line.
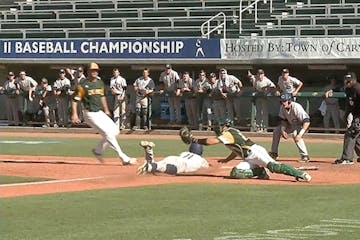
48, 103
262, 85
230, 87
202, 88
294, 120
169, 84
11, 91
96, 113
62, 90
118, 87
77, 76
218, 100
143, 86
332, 108
27, 87
188, 93
352, 114
288, 84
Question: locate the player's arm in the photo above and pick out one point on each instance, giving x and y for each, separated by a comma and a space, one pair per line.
207, 141
305, 126
299, 86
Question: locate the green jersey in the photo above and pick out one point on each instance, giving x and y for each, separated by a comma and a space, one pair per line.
236, 141
90, 94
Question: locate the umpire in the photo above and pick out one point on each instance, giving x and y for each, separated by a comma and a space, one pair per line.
352, 112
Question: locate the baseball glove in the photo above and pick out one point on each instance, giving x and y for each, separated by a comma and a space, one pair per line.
186, 135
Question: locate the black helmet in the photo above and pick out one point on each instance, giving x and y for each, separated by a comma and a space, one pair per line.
196, 148
221, 124
285, 97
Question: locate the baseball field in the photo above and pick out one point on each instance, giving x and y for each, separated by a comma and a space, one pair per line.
51, 187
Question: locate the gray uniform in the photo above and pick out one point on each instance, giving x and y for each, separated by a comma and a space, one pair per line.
262, 102
288, 86
188, 94
62, 90
118, 85
230, 86
12, 102
26, 85
171, 85
204, 111
48, 103
144, 87
294, 118
218, 102
332, 110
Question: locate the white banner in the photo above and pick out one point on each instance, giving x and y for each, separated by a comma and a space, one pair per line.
290, 48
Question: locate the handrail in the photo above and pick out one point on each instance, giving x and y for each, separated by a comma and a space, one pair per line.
218, 27
250, 6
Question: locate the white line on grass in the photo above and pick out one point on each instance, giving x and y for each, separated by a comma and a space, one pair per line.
56, 181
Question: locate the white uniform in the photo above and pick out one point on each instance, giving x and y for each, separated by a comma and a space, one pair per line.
12, 102
143, 88
63, 99
262, 102
25, 86
257, 157
186, 162
230, 85
171, 84
294, 118
288, 86
118, 85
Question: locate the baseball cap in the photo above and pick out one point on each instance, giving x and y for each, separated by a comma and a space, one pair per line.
168, 66
349, 76
62, 71
93, 66
285, 97
285, 70
11, 74
212, 75
44, 80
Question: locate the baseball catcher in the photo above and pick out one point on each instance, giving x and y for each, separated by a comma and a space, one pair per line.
256, 158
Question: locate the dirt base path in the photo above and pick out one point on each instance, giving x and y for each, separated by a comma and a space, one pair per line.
79, 174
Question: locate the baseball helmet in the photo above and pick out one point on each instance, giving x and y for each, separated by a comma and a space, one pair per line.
221, 124
93, 66
285, 97
350, 76
196, 148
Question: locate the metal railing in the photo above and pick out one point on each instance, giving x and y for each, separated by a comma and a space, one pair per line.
221, 26
251, 7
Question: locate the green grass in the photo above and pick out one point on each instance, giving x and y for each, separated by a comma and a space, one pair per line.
82, 147
15, 179
180, 211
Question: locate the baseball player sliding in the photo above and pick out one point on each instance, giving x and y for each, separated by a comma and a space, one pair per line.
96, 113
185, 162
256, 158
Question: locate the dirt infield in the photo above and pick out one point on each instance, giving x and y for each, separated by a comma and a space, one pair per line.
78, 174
